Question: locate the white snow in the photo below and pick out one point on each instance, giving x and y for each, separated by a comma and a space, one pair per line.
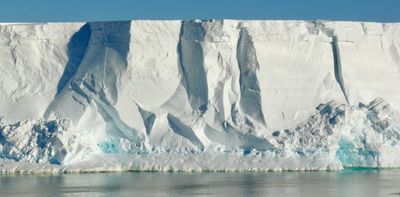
199, 95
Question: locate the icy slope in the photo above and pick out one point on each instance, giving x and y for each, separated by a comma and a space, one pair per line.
218, 94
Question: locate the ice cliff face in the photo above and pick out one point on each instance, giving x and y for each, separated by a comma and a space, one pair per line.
217, 94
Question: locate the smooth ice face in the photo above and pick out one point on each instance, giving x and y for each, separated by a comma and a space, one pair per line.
215, 94
33, 59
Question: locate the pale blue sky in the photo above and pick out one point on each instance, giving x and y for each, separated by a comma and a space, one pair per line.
103, 10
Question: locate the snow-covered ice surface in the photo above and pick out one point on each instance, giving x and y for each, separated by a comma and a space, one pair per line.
198, 95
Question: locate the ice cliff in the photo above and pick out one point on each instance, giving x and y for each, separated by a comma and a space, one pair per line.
199, 95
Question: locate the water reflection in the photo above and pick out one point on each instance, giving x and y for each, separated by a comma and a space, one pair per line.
327, 184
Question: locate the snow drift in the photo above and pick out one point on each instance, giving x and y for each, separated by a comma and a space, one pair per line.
199, 95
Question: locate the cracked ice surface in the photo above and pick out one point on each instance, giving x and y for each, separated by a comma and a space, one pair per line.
199, 95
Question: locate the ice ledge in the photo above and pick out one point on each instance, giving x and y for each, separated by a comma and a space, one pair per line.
202, 162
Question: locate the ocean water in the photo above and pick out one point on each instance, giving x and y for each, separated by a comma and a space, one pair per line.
349, 182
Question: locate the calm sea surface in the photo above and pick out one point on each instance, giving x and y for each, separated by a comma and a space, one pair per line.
344, 183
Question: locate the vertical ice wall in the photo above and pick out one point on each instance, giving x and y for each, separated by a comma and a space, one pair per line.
370, 60
289, 53
191, 85
153, 73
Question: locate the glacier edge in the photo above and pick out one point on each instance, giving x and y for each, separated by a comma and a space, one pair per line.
199, 95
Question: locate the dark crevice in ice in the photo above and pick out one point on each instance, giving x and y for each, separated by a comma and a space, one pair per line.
250, 98
185, 131
338, 66
191, 64
148, 119
364, 28
394, 53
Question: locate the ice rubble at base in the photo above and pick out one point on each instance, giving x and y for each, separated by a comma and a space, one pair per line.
199, 95
44, 142
336, 135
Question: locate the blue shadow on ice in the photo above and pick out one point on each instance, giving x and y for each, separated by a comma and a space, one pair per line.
76, 50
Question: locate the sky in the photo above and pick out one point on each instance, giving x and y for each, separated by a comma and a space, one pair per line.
106, 10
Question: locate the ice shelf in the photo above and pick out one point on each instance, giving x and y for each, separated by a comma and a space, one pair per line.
189, 95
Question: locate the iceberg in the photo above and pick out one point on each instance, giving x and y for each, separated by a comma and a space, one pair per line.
199, 95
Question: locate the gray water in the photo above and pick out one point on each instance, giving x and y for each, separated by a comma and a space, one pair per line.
343, 183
